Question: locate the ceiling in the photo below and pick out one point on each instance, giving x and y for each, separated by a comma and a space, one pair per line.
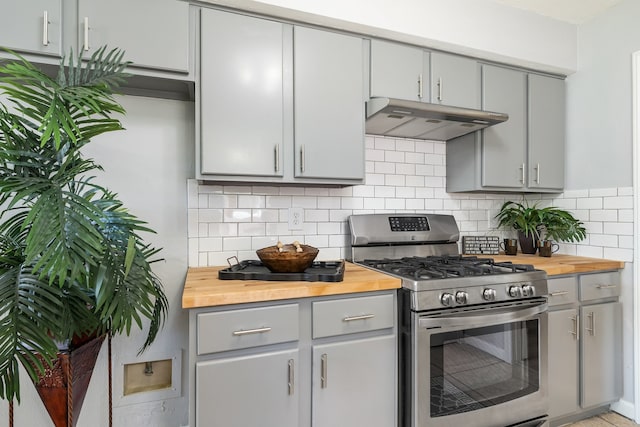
572, 11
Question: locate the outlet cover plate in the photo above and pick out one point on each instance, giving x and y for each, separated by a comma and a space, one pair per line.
296, 218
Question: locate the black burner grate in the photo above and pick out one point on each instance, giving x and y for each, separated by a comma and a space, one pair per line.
445, 266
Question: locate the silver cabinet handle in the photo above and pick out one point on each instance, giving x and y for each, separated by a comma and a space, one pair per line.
537, 168
522, 170
361, 317
45, 28
251, 331
420, 86
276, 155
607, 286
558, 294
86, 33
592, 322
323, 371
440, 89
291, 378
302, 158
576, 326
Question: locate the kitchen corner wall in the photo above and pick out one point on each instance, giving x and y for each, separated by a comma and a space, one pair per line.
402, 175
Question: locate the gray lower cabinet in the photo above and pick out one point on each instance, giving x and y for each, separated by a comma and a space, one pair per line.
455, 80
153, 33
563, 362
254, 390
321, 362
352, 383
601, 353
585, 344
278, 103
399, 71
33, 26
525, 153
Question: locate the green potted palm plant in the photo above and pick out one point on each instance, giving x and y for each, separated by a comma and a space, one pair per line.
72, 260
535, 224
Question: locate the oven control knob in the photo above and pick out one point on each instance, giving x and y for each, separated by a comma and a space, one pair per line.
515, 291
446, 299
527, 290
461, 297
489, 294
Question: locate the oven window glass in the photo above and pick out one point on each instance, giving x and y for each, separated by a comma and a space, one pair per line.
483, 367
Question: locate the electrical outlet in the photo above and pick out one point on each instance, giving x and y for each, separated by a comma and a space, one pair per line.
296, 218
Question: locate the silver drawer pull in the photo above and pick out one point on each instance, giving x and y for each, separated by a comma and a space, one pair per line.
361, 317
559, 293
606, 286
251, 331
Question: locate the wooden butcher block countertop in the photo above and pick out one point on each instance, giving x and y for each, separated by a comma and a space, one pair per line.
562, 264
202, 287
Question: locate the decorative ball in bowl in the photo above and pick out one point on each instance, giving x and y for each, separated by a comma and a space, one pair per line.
287, 258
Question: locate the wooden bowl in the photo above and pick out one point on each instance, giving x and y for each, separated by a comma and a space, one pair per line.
287, 261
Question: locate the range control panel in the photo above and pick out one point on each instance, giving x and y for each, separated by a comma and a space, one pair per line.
408, 223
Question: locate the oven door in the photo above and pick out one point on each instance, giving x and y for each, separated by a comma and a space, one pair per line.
482, 367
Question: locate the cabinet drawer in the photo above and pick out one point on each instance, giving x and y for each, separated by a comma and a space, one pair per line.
232, 330
599, 285
563, 290
347, 316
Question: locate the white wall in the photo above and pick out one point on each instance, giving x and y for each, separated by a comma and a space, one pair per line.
148, 165
599, 144
479, 28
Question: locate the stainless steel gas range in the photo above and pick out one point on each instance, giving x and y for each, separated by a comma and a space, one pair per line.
472, 332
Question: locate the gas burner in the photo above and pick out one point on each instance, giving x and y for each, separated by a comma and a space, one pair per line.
444, 266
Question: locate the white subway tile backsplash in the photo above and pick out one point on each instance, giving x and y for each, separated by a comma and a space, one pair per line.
425, 146
402, 175
608, 215
405, 145
618, 202
603, 192
619, 228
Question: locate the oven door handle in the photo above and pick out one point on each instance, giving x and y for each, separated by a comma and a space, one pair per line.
502, 315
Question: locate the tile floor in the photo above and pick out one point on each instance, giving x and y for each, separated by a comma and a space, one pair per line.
609, 419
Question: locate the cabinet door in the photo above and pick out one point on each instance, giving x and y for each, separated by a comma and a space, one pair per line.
241, 95
328, 105
503, 145
601, 368
153, 33
563, 362
455, 80
249, 391
23, 27
398, 71
546, 132
354, 383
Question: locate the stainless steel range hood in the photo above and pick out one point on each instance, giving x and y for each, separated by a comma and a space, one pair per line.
419, 120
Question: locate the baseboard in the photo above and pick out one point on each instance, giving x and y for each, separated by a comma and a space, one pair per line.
625, 408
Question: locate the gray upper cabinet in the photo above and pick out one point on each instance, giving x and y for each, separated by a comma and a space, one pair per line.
242, 100
546, 132
279, 103
153, 33
504, 145
33, 26
399, 71
455, 80
523, 154
328, 104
